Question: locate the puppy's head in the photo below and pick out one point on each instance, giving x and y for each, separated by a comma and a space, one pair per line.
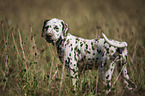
54, 29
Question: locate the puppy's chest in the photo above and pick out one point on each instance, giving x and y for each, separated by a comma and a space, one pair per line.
60, 52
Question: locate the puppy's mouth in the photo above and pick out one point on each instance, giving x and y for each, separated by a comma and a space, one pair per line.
49, 38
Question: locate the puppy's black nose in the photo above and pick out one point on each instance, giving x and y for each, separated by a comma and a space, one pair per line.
48, 35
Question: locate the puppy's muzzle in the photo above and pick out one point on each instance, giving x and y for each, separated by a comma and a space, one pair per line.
48, 37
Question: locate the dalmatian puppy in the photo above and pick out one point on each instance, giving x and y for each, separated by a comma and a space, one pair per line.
82, 54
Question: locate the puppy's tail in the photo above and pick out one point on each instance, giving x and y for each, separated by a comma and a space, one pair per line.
115, 43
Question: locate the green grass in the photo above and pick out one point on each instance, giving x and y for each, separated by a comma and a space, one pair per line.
30, 66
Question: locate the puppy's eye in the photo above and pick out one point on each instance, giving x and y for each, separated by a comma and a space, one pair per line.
49, 26
56, 28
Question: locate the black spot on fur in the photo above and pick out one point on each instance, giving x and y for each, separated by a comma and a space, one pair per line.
72, 49
119, 50
105, 64
99, 51
75, 56
111, 69
86, 46
107, 76
109, 45
107, 49
62, 26
87, 52
69, 54
79, 51
103, 54
75, 48
92, 43
67, 61
77, 39
81, 44
74, 70
93, 48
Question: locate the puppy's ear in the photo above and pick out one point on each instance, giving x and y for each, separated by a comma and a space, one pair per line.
42, 34
64, 28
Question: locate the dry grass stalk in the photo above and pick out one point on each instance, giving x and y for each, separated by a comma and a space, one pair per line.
118, 75
122, 93
62, 74
132, 62
97, 77
24, 57
4, 45
6, 69
53, 76
6, 61
16, 46
134, 52
3, 30
32, 36
50, 73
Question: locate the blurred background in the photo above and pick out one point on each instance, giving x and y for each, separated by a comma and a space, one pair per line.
30, 66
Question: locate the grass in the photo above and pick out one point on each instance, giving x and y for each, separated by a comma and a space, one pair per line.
30, 66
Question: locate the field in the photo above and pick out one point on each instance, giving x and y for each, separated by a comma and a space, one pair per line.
30, 66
